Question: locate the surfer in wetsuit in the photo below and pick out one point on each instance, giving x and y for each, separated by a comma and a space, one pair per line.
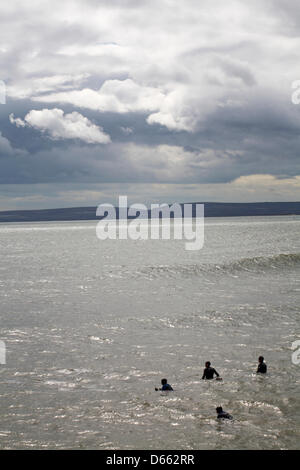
222, 414
165, 386
262, 366
209, 372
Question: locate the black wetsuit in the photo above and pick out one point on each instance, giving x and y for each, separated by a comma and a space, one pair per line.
209, 372
166, 387
224, 415
262, 368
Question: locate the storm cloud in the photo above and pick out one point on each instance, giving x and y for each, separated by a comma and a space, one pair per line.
178, 94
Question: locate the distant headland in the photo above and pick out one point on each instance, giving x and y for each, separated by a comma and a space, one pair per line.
212, 209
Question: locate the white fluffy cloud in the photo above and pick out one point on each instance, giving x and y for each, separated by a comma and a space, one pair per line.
176, 61
17, 121
120, 96
28, 87
63, 126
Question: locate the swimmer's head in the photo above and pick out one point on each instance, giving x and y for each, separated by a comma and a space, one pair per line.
219, 409
261, 359
207, 364
164, 381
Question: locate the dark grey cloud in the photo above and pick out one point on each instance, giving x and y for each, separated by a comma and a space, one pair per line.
201, 94
258, 139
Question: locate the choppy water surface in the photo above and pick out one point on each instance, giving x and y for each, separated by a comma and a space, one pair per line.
91, 327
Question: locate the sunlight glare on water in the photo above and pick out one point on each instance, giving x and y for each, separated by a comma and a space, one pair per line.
91, 327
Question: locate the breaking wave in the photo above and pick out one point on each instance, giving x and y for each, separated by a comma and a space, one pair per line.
257, 264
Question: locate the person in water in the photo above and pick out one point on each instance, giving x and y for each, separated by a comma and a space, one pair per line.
165, 386
222, 414
209, 372
262, 366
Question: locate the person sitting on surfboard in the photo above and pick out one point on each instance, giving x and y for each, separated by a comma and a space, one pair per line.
209, 372
262, 366
222, 414
165, 386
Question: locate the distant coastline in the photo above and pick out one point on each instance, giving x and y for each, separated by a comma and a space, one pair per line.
212, 209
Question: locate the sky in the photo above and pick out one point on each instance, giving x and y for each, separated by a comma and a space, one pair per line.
159, 100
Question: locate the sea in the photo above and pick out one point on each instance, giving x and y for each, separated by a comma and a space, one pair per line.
89, 327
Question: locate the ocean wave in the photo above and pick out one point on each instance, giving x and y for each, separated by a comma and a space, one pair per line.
281, 260
257, 264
